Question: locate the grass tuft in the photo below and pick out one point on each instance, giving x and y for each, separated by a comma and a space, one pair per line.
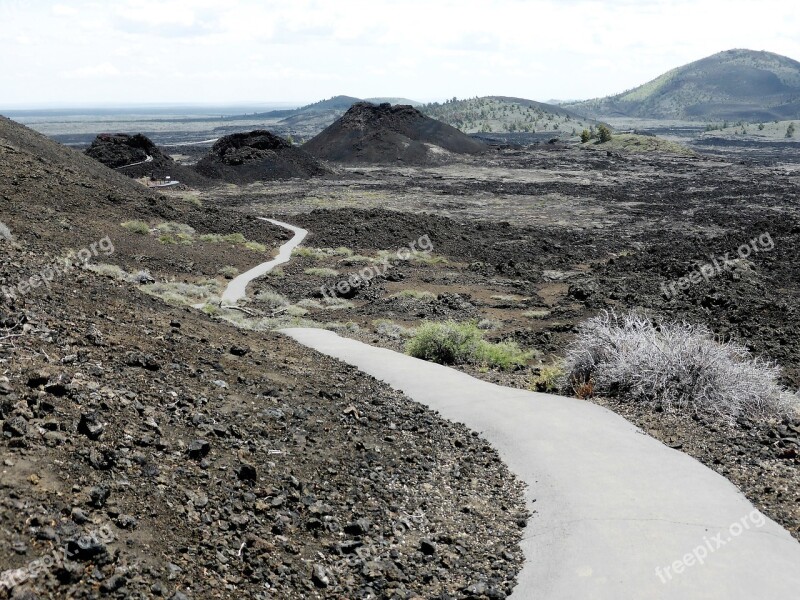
139, 227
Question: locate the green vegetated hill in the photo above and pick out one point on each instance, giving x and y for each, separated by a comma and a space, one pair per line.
735, 84
503, 114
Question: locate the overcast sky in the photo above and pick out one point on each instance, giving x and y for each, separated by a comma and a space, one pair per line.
86, 53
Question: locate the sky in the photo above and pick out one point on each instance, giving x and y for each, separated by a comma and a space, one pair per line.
120, 52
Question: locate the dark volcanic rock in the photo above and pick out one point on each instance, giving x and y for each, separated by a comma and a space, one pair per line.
369, 133
137, 156
120, 149
257, 156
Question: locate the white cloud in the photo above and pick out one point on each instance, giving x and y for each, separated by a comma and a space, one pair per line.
101, 71
271, 50
62, 10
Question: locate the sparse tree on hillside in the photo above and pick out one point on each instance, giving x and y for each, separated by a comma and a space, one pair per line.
790, 130
603, 133
585, 136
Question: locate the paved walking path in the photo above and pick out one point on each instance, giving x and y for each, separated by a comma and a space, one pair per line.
619, 516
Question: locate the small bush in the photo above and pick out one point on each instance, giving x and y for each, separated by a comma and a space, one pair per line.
536, 313
336, 303
357, 259
415, 295
175, 228
585, 136
293, 310
349, 327
489, 324
255, 246
272, 299
228, 272
549, 379
391, 329
235, 238
5, 232
139, 227
321, 272
603, 134
302, 251
213, 238
310, 304
107, 270
790, 130
672, 365
452, 343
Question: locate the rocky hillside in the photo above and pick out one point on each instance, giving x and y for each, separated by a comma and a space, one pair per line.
150, 450
735, 84
257, 156
503, 114
370, 133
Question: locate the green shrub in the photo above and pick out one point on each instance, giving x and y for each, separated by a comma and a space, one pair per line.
603, 134
549, 379
451, 343
790, 130
585, 136
139, 227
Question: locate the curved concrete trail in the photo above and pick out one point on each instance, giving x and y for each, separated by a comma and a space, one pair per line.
612, 504
619, 516
237, 288
141, 162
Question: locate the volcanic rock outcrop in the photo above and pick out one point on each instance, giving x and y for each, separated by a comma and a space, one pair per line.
382, 133
137, 156
257, 156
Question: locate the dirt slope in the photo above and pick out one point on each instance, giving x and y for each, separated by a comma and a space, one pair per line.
149, 451
369, 133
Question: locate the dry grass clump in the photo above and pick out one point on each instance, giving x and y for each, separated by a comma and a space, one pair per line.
678, 366
321, 272
139, 227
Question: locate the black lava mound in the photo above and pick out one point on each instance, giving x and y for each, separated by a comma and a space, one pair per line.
137, 156
257, 156
370, 133
120, 149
